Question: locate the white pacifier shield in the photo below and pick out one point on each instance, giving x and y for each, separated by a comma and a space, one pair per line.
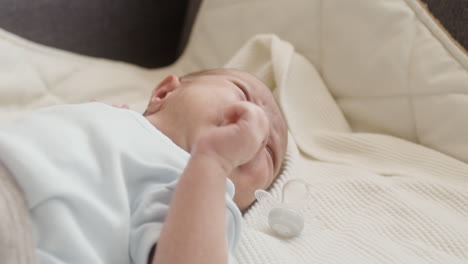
285, 222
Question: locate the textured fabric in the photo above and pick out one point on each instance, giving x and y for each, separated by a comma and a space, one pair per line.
16, 243
373, 198
98, 182
372, 56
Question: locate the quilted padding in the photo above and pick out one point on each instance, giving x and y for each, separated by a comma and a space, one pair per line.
387, 64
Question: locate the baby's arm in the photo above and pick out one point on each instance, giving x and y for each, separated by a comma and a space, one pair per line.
195, 227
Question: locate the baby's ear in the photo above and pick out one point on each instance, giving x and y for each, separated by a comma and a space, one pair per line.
165, 87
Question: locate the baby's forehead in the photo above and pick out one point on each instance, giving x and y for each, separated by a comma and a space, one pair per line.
255, 85
221, 72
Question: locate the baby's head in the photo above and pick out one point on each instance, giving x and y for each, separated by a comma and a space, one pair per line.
183, 108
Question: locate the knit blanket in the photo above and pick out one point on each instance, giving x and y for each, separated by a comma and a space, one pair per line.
374, 198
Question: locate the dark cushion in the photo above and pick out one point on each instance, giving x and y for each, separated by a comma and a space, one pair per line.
453, 15
150, 33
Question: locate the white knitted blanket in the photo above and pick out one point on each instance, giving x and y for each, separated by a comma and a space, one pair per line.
374, 198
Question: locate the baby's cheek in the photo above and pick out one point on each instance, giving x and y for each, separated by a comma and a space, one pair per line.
247, 179
255, 173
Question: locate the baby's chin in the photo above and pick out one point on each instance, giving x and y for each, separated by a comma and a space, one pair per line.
243, 202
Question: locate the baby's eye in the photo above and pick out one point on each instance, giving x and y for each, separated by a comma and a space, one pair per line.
270, 152
244, 92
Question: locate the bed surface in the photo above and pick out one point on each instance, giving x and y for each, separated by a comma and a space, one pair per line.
375, 96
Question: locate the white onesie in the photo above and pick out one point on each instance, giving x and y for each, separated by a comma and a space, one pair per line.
98, 181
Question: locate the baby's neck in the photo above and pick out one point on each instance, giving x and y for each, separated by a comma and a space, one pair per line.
177, 133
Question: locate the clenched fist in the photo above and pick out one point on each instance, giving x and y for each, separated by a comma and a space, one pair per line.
242, 134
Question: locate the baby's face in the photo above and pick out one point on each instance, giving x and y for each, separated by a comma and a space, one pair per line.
197, 104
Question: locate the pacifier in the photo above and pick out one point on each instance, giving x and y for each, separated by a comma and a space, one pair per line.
283, 216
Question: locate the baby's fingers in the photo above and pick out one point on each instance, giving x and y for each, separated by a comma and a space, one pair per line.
251, 120
123, 106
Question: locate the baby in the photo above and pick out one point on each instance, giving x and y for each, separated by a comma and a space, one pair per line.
98, 180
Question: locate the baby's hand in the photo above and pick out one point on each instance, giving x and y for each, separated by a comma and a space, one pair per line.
242, 135
123, 106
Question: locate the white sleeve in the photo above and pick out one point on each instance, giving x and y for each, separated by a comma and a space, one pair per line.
233, 223
148, 213
232, 259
